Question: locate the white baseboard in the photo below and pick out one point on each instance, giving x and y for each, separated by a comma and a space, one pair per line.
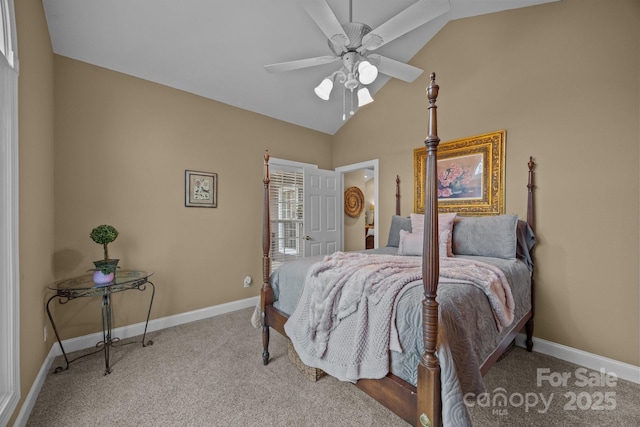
30, 400
88, 341
622, 370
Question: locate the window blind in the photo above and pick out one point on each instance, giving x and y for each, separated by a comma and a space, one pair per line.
286, 207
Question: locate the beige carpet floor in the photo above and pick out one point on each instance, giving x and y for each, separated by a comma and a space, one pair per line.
210, 373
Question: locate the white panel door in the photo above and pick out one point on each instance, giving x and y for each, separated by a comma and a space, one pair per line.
321, 212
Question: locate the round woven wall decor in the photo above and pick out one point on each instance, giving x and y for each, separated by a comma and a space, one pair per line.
353, 202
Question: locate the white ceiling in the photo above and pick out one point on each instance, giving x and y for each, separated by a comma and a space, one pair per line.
217, 49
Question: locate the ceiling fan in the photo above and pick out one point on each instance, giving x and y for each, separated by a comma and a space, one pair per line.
352, 43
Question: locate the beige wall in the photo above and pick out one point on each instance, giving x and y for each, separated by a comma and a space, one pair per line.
563, 80
122, 148
36, 233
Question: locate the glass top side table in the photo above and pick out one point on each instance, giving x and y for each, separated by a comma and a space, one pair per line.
83, 287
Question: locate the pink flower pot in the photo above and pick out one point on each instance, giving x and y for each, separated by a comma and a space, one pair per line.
102, 279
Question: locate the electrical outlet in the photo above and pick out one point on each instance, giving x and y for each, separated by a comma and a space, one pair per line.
247, 281
46, 333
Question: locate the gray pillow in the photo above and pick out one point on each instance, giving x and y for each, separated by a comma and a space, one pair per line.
397, 223
490, 236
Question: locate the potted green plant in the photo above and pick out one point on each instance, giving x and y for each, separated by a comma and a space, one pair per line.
103, 235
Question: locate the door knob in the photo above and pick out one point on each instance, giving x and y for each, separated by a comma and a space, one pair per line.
307, 237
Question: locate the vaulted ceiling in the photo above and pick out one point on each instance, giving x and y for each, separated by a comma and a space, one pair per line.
218, 49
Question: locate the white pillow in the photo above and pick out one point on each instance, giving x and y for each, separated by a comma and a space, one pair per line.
411, 243
445, 222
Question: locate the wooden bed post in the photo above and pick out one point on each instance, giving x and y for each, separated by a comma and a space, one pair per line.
398, 195
530, 186
532, 223
429, 407
266, 293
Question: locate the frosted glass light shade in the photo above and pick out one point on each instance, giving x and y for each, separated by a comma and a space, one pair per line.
323, 90
367, 72
364, 97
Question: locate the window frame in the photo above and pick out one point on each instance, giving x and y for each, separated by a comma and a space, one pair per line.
9, 251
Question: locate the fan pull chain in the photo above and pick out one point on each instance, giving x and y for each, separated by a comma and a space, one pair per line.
344, 105
351, 98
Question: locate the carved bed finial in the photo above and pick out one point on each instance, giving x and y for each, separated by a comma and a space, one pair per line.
266, 178
530, 187
432, 95
432, 89
398, 195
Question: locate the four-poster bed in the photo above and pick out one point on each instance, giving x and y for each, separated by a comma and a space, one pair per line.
417, 399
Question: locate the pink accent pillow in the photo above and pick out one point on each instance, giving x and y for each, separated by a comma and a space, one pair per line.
411, 243
445, 222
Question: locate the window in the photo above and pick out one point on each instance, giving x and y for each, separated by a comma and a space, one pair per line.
6, 28
3, 29
286, 210
9, 286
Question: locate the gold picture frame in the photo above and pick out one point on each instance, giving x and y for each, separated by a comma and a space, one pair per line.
470, 175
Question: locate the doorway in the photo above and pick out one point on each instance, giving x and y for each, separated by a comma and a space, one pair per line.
355, 230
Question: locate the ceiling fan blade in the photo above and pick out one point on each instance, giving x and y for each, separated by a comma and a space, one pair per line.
324, 17
300, 63
396, 69
409, 19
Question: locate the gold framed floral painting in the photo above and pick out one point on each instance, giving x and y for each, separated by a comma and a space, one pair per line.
470, 175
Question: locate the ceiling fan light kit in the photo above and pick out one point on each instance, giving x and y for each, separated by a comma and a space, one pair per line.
323, 90
364, 97
367, 72
352, 42
350, 82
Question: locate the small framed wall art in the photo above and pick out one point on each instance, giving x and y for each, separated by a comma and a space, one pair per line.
201, 189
